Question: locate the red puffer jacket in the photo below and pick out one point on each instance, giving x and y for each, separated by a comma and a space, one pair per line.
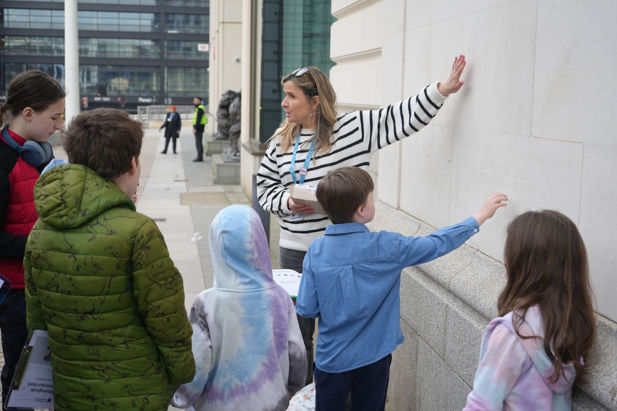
17, 213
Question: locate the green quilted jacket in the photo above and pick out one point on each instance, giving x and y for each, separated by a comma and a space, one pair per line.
99, 279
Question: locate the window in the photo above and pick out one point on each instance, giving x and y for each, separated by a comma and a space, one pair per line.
182, 81
186, 23
185, 50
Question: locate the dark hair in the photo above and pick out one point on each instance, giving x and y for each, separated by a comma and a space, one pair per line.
546, 263
197, 97
33, 88
342, 191
104, 140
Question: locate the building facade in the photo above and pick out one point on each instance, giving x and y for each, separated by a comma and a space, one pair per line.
132, 52
277, 37
535, 120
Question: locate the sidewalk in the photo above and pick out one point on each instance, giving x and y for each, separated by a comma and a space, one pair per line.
180, 196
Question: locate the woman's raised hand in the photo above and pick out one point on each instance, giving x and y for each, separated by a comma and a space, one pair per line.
454, 82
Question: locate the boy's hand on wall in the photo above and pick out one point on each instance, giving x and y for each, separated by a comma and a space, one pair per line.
495, 201
454, 82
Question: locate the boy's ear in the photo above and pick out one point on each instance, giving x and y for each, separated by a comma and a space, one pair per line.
133, 168
360, 211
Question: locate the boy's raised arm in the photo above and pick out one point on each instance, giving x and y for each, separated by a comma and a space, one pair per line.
419, 250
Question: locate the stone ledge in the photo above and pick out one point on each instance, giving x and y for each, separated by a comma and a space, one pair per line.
214, 146
225, 173
476, 280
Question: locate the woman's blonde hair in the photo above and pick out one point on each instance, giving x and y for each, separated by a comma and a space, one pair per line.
313, 82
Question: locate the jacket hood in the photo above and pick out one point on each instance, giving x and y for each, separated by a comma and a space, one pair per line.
68, 196
239, 250
534, 347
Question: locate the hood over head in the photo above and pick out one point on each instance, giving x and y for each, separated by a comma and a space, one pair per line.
239, 250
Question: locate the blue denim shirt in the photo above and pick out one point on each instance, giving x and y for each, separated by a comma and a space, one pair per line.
351, 280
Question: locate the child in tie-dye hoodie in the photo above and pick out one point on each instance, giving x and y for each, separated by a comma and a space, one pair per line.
532, 354
246, 340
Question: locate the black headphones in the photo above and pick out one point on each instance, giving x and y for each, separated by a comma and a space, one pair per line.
33, 152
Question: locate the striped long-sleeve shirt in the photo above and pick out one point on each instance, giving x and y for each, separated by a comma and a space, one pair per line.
355, 136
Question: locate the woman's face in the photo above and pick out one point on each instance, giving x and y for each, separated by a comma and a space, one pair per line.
298, 108
44, 123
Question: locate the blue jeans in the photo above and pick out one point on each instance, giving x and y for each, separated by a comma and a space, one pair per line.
14, 335
368, 386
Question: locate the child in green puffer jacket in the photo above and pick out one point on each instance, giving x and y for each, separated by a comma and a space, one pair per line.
99, 278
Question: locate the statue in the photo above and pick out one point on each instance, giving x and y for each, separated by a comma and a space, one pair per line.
228, 124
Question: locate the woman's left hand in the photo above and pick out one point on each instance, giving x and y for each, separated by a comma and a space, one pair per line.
454, 82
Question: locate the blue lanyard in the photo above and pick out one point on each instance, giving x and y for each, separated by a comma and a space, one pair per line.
307, 161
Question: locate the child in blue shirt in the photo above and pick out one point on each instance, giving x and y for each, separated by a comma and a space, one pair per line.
351, 282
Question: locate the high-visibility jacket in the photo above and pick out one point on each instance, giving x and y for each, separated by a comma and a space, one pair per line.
203, 119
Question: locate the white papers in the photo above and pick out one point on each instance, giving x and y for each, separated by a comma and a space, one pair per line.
34, 388
289, 280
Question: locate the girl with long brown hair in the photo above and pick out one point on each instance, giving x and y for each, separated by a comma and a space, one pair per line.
532, 354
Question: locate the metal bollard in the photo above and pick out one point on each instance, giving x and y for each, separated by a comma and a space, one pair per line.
263, 215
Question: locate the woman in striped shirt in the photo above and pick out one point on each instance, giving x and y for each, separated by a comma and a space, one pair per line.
315, 139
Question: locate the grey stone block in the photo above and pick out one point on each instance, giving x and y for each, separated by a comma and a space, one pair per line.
480, 284
602, 383
225, 173
402, 387
423, 307
438, 387
464, 329
583, 402
389, 219
215, 146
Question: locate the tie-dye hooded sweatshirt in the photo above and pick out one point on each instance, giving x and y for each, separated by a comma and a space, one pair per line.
514, 373
246, 340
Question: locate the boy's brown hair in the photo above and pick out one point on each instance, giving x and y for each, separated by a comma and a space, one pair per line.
342, 191
104, 140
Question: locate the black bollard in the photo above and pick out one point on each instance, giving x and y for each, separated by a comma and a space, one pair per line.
263, 215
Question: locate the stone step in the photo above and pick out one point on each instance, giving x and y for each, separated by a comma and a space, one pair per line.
215, 146
225, 173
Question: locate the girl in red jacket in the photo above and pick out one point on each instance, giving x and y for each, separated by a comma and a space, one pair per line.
33, 111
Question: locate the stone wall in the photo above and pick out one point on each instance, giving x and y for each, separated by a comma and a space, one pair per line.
535, 119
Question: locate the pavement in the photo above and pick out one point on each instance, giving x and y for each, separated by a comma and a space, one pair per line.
180, 196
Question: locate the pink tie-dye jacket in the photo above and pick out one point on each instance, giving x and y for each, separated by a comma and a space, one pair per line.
514, 372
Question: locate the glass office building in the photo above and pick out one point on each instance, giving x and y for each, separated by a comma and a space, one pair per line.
131, 52
295, 33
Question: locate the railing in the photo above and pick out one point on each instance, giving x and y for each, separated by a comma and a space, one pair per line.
146, 114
